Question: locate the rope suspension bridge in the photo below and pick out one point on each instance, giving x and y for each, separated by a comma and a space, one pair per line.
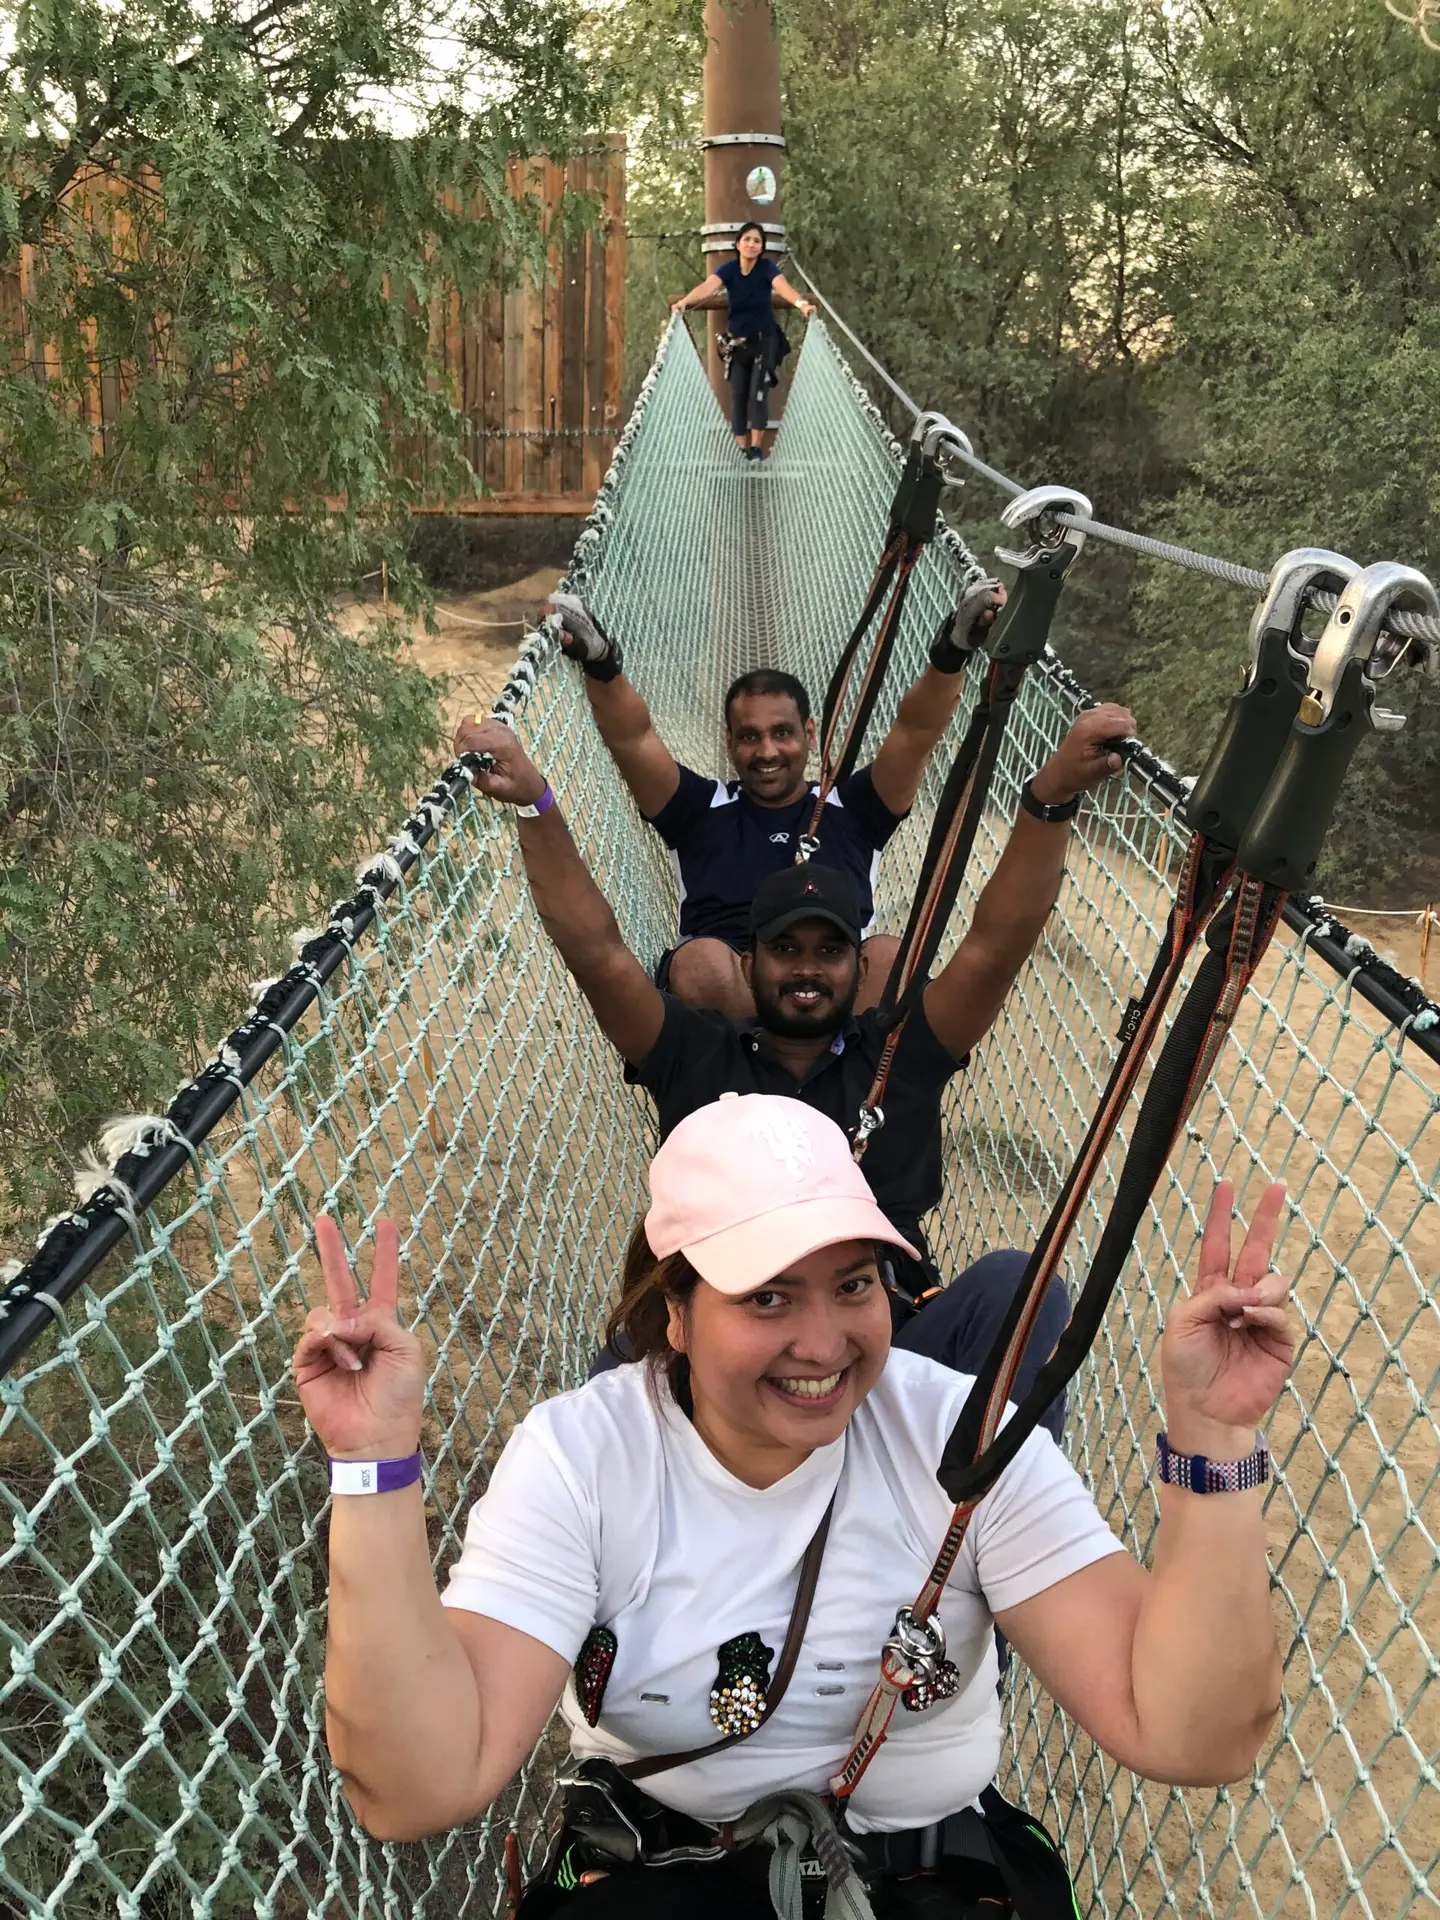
162, 1569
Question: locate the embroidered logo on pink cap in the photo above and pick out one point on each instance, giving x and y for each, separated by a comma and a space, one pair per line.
753, 1183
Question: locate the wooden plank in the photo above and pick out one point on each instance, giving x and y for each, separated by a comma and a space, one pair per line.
572, 343
614, 288
492, 370
593, 465
553, 476
514, 353
534, 348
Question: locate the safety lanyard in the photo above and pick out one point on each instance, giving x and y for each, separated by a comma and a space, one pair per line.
1014, 643
912, 525
1270, 788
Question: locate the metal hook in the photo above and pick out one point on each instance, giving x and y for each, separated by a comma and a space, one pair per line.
1035, 510
943, 438
1354, 629
1293, 579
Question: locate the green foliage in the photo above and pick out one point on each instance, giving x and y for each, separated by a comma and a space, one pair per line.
222, 228
1181, 257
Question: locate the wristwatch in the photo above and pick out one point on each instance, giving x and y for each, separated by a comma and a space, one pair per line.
1199, 1475
1038, 810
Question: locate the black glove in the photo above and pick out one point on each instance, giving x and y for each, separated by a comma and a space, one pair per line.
961, 633
582, 638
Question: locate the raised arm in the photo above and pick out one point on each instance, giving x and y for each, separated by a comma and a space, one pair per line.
646, 764
712, 283
962, 1002
924, 713
428, 1712
783, 287
1175, 1672
572, 909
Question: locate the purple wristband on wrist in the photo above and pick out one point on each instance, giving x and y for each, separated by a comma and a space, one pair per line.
374, 1476
542, 805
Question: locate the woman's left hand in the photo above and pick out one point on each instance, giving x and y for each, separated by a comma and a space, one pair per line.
807, 307
1229, 1347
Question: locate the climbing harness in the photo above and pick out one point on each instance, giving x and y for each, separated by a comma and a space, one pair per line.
1015, 641
912, 524
1261, 822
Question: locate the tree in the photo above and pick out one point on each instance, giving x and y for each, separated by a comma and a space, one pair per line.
1181, 257
221, 230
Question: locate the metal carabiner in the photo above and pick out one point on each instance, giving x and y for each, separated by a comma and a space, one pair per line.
1293, 578
1284, 836
1260, 714
943, 437
919, 1644
1035, 510
1353, 633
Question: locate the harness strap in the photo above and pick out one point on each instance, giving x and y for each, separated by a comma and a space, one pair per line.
913, 515
1016, 640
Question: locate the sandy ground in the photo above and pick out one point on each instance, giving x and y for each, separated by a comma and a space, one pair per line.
473, 637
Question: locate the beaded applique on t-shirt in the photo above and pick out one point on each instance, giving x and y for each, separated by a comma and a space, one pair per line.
737, 1699
593, 1667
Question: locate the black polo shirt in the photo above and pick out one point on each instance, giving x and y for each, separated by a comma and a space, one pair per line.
700, 1055
722, 846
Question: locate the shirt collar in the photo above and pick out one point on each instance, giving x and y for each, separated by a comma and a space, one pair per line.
750, 1029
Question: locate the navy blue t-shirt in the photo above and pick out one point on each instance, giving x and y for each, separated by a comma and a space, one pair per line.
751, 308
723, 846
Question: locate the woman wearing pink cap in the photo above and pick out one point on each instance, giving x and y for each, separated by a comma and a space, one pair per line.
699, 1557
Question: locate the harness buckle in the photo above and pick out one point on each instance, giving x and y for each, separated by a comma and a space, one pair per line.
919, 1644
807, 846
872, 1119
1035, 511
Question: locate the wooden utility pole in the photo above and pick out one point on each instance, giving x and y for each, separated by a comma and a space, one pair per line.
743, 143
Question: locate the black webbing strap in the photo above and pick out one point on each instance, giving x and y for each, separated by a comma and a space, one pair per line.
1016, 640
912, 525
1236, 942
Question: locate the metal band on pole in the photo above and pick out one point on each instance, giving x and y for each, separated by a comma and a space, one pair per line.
741, 140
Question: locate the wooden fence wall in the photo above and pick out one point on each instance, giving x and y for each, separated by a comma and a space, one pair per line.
538, 371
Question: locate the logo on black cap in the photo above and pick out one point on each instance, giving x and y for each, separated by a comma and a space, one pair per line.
800, 893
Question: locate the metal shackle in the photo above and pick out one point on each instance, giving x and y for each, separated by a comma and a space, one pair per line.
1356, 625
1036, 510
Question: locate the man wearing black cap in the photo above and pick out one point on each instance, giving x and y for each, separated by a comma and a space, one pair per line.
805, 969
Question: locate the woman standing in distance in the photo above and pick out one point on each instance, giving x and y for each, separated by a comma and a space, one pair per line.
642, 1550
749, 282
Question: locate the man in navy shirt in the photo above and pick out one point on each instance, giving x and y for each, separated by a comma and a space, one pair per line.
725, 836
806, 1036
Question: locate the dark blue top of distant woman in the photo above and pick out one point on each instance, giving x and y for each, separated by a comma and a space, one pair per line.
751, 308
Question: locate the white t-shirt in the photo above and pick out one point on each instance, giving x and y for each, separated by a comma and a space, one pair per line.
607, 1508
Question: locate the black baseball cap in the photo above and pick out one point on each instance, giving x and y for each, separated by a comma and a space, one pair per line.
807, 892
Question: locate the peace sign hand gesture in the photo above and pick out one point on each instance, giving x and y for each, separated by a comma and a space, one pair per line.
1228, 1347
361, 1375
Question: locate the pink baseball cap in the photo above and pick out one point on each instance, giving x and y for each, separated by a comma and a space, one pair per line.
754, 1182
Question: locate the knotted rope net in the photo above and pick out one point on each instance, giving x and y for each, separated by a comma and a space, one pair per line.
162, 1563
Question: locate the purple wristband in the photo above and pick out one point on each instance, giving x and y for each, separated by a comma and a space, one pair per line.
374, 1476
542, 805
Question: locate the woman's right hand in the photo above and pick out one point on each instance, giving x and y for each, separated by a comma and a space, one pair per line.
677, 305
361, 1375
